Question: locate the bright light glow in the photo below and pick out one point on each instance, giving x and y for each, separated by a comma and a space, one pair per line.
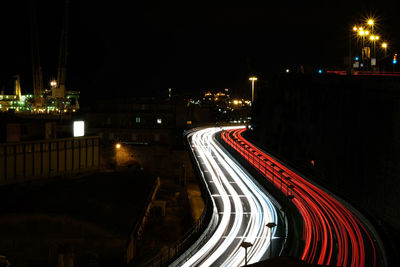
234, 221
287, 70
320, 71
370, 22
159, 121
355, 28
374, 37
79, 128
53, 83
384, 45
253, 78
236, 102
118, 146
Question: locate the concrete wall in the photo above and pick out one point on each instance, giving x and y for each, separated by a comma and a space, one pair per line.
24, 161
349, 126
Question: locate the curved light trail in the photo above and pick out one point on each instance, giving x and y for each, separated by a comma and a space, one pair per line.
332, 234
242, 208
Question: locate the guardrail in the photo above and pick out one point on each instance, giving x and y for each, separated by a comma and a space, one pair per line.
293, 219
25, 161
168, 255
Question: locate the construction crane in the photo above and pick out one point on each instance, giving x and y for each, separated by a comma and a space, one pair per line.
36, 67
58, 91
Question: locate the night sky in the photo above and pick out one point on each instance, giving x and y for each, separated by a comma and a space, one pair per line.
116, 48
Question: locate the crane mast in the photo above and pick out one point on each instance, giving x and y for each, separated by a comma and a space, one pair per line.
59, 90
36, 67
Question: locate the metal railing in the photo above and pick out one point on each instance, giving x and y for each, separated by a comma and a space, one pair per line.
167, 255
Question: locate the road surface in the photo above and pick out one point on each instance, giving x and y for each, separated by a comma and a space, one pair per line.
242, 210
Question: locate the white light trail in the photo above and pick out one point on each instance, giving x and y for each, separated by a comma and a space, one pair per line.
244, 208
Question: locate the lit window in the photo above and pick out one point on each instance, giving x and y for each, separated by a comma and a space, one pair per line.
159, 121
137, 119
79, 128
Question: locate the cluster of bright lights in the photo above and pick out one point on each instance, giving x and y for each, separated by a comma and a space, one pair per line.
25, 104
240, 103
365, 32
219, 96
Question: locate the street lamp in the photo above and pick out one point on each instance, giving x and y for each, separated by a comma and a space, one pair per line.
270, 226
252, 79
384, 46
371, 22
246, 245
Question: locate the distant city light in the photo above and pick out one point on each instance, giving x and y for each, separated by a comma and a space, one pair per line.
159, 121
287, 70
357, 58
394, 61
320, 71
79, 128
118, 146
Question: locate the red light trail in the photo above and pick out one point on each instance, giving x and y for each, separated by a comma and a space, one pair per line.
333, 235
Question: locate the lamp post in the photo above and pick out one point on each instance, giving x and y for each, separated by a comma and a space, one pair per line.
384, 46
245, 245
270, 226
355, 28
373, 39
284, 209
252, 79
371, 24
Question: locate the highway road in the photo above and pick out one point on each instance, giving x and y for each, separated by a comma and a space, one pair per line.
333, 233
242, 209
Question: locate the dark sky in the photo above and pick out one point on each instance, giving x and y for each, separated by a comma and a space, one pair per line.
120, 48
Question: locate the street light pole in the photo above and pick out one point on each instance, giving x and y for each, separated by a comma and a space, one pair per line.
384, 46
371, 23
252, 79
270, 226
245, 245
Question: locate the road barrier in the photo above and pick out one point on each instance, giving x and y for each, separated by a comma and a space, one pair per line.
25, 161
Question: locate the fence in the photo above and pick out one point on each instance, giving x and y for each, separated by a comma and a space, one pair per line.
168, 255
31, 160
